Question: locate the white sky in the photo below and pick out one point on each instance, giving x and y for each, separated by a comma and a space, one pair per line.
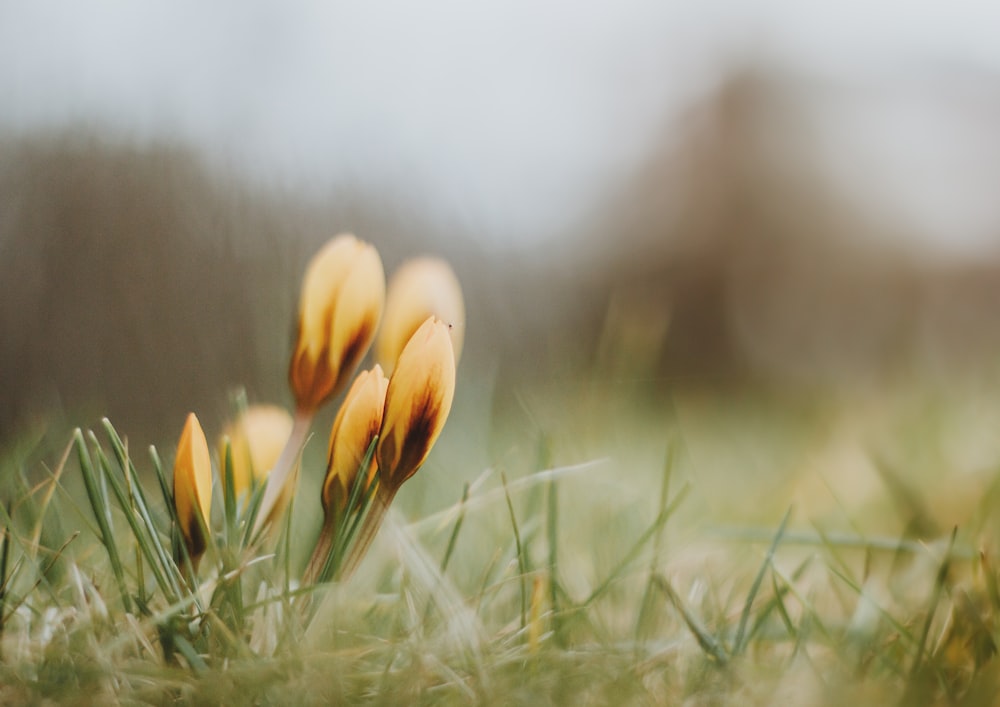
513, 114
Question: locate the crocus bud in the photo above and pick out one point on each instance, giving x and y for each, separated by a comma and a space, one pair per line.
343, 294
353, 430
256, 439
420, 288
417, 403
193, 486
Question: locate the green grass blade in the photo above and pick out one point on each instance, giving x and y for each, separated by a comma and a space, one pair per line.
841, 540
339, 529
450, 547
253, 508
899, 627
738, 643
552, 535
132, 476
141, 503
165, 489
646, 603
453, 538
178, 548
185, 648
102, 513
940, 581
40, 578
139, 531
779, 603
522, 564
637, 547
287, 544
4, 559
706, 640
229, 493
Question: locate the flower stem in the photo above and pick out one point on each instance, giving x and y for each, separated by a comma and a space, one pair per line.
369, 529
324, 546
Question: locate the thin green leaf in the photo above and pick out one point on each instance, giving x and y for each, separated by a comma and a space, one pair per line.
40, 578
453, 538
4, 578
102, 513
636, 548
139, 530
185, 648
347, 545
552, 534
253, 508
521, 562
165, 490
939, 584
706, 640
141, 503
229, 492
738, 644
646, 603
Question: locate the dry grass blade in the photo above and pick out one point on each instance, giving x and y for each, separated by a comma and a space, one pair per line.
940, 581
52, 483
463, 627
485, 500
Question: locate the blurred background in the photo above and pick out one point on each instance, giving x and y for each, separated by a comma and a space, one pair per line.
670, 202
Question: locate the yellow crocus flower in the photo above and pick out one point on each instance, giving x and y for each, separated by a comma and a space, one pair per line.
353, 430
417, 403
256, 439
193, 486
420, 288
343, 294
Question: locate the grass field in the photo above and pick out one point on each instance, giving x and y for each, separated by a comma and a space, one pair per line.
741, 546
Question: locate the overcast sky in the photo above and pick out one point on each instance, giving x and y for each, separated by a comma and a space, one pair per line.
513, 114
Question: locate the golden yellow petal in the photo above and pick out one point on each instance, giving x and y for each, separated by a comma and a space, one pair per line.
356, 315
341, 303
193, 484
420, 288
257, 439
417, 403
356, 425
324, 277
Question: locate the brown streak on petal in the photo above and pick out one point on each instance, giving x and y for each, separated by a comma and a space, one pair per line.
417, 444
356, 346
196, 541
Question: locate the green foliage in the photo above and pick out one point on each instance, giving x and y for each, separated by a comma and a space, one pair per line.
556, 586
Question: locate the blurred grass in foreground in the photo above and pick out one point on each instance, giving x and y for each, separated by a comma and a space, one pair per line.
641, 556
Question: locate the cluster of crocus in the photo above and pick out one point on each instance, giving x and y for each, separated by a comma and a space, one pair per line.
381, 437
386, 426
